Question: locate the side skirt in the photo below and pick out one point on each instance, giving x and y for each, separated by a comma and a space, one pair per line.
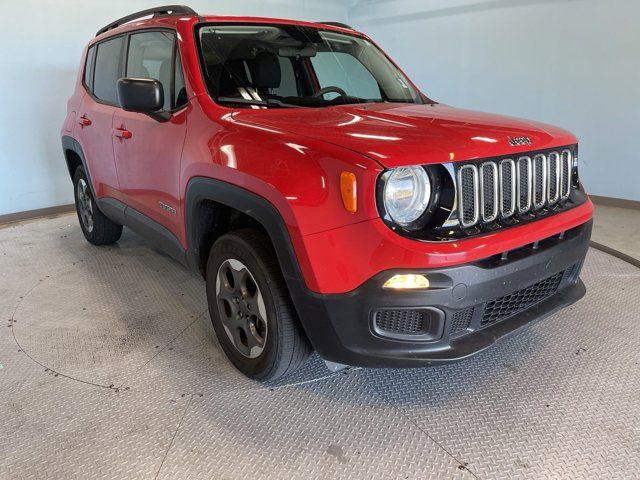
154, 233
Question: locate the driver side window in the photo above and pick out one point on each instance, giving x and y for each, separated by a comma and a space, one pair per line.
151, 56
338, 69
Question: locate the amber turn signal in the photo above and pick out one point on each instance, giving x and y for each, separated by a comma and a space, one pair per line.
349, 191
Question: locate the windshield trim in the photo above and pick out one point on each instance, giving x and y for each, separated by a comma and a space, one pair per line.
196, 34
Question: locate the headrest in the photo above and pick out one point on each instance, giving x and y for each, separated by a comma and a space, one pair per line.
265, 70
165, 71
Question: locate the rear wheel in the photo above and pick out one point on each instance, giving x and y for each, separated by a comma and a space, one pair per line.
96, 228
252, 313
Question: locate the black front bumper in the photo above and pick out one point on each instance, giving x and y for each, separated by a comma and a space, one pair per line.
467, 308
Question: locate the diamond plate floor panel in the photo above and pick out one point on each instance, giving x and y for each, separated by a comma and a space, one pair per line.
68, 431
322, 430
109, 368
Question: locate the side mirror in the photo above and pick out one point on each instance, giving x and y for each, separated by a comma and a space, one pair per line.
144, 95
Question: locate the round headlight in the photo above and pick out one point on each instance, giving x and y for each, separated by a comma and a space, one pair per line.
407, 192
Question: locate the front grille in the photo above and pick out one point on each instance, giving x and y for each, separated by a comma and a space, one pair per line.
513, 303
401, 322
498, 189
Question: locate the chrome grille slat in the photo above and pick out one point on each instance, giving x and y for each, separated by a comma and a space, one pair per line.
539, 181
507, 182
565, 173
553, 173
525, 183
468, 195
489, 191
499, 189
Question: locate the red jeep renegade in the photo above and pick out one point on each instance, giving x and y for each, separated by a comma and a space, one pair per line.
329, 204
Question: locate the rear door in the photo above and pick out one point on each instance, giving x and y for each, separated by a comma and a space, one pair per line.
148, 150
95, 115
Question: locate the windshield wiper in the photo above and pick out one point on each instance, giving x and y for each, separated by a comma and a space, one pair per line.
269, 102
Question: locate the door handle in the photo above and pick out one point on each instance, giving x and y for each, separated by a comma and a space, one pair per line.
122, 133
84, 121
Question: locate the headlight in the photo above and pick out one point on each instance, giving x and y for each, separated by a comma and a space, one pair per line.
406, 196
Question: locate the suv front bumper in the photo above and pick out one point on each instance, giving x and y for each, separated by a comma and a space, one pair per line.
468, 309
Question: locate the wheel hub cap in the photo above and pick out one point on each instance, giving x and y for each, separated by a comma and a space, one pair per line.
241, 308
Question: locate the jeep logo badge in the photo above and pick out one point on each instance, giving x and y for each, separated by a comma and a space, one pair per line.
519, 141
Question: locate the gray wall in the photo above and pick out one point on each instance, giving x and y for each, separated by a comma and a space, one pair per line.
42, 43
574, 63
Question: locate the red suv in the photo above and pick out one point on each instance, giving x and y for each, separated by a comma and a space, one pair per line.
329, 204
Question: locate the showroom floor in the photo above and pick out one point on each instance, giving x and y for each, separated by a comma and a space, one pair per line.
109, 369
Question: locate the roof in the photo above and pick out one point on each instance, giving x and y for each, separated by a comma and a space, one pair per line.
182, 11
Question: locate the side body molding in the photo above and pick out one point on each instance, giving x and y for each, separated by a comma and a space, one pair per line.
156, 234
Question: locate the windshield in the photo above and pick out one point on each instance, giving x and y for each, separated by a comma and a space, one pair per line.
296, 66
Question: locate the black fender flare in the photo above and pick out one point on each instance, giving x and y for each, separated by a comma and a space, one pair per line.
71, 144
309, 305
252, 205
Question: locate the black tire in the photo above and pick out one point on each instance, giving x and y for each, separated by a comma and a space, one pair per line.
99, 230
285, 347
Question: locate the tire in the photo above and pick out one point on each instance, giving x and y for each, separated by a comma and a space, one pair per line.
97, 228
269, 347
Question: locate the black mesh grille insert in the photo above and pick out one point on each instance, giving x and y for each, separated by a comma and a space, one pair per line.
460, 320
509, 305
538, 186
488, 191
401, 322
468, 195
566, 174
507, 194
553, 177
523, 185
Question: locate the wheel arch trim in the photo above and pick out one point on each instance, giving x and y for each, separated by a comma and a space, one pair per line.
70, 144
201, 189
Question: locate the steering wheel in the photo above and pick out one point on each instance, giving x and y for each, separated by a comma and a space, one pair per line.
330, 89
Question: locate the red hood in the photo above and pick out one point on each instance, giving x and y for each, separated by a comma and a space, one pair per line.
401, 134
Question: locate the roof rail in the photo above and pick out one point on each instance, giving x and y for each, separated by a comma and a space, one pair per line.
338, 24
157, 11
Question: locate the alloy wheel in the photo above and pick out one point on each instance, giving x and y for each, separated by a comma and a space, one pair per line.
241, 308
85, 205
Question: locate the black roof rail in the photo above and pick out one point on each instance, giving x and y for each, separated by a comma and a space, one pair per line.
338, 24
166, 10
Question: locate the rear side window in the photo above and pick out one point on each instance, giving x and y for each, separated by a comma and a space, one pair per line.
107, 69
88, 68
151, 56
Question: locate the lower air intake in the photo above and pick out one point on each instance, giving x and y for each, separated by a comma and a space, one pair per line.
509, 305
461, 319
401, 322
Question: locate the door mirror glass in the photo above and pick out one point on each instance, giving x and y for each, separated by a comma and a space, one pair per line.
144, 95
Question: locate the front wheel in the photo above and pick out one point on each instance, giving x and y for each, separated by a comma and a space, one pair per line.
252, 313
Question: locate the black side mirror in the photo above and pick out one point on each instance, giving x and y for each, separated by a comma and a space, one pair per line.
144, 95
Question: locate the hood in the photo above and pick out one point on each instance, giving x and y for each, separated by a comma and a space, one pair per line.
406, 134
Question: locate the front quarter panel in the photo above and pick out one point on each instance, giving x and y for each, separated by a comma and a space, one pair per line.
298, 175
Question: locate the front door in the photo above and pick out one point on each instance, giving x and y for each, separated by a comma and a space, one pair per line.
147, 150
